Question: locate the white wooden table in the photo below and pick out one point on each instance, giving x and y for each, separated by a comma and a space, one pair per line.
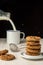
19, 60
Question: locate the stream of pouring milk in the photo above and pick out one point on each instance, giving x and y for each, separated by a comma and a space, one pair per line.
8, 19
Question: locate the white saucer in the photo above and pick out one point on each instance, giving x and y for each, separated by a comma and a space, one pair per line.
31, 57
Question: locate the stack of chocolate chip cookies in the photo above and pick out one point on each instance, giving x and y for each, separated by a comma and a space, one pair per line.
33, 46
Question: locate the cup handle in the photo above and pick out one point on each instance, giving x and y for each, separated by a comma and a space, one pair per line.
23, 35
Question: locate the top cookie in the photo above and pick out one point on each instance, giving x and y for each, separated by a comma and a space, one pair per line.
2, 52
33, 38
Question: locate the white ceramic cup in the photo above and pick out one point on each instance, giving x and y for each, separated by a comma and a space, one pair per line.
14, 36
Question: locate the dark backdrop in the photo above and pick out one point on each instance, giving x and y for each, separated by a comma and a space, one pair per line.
27, 17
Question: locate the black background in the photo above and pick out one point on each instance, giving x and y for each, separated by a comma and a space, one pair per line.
27, 17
